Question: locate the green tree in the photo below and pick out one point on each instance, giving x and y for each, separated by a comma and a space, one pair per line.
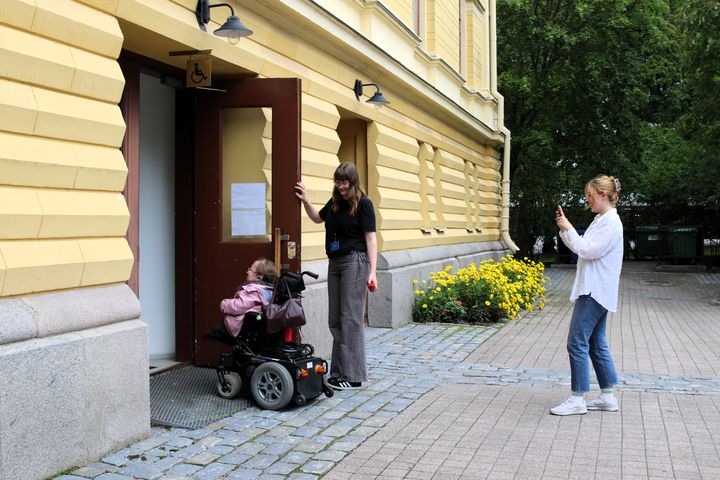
700, 25
582, 80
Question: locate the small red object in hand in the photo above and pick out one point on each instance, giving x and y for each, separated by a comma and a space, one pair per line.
371, 285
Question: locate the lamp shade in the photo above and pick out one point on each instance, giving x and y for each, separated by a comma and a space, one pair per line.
378, 99
233, 28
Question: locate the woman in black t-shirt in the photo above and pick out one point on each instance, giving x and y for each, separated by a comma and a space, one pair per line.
351, 247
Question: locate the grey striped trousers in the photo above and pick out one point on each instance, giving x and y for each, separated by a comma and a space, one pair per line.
347, 294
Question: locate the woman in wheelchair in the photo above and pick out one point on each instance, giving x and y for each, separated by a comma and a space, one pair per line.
254, 293
275, 370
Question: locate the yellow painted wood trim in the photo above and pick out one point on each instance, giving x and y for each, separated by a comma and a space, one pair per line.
79, 25
99, 168
18, 107
427, 185
392, 178
28, 58
42, 265
107, 260
402, 9
318, 163
319, 190
18, 13
319, 137
384, 135
108, 6
37, 266
68, 214
319, 111
20, 213
392, 158
70, 117
41, 162
96, 76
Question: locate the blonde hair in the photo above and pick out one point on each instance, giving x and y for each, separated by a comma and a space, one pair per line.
605, 184
347, 172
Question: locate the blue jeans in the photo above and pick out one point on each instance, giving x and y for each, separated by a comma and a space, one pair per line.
586, 340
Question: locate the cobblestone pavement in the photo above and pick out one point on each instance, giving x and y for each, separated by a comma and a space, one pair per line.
448, 401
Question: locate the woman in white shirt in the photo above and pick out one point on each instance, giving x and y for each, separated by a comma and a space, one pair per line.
595, 292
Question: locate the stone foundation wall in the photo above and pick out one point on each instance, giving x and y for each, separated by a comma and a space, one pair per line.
73, 379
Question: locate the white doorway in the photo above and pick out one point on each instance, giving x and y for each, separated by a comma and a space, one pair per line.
156, 252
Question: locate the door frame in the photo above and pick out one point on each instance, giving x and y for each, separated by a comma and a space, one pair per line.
132, 64
184, 224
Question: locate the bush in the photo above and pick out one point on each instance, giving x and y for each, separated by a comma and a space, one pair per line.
480, 294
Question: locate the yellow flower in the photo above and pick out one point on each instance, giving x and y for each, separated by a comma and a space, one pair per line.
511, 284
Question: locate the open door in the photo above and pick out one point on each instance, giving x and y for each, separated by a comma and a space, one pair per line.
247, 160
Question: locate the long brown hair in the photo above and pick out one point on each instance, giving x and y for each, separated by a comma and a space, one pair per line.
347, 172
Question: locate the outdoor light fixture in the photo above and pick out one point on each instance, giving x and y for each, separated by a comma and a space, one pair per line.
233, 29
377, 99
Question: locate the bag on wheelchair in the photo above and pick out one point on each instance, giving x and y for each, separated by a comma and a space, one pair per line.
285, 310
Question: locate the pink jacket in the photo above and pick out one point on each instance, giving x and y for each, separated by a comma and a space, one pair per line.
248, 298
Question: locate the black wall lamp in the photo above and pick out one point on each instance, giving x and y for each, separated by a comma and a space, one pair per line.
377, 99
233, 29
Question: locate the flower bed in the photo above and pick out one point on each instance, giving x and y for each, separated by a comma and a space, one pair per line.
483, 293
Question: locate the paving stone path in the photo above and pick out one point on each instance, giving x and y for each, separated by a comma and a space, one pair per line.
457, 401
302, 442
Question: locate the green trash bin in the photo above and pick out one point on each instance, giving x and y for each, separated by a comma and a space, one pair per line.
683, 242
647, 241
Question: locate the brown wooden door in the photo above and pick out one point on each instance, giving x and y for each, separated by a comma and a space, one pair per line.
247, 160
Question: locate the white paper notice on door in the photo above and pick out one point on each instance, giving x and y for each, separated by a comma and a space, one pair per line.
247, 209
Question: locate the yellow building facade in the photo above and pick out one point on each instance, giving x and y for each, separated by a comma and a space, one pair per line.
92, 90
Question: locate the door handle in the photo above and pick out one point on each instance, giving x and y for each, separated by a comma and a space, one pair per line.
291, 249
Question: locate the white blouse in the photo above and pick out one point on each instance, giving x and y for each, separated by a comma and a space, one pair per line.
600, 256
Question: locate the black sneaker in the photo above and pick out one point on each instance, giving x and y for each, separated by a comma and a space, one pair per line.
342, 384
219, 334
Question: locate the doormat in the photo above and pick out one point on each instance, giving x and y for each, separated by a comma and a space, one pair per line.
185, 397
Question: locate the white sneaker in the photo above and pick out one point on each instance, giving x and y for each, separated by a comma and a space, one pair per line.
571, 406
605, 403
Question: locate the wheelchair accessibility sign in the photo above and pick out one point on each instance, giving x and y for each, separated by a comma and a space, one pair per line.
198, 72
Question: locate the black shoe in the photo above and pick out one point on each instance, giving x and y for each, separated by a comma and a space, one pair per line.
342, 384
219, 334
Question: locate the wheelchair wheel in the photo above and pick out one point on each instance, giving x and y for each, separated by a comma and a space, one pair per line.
272, 386
234, 385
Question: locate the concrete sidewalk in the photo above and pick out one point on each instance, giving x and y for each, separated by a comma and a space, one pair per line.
665, 338
447, 401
